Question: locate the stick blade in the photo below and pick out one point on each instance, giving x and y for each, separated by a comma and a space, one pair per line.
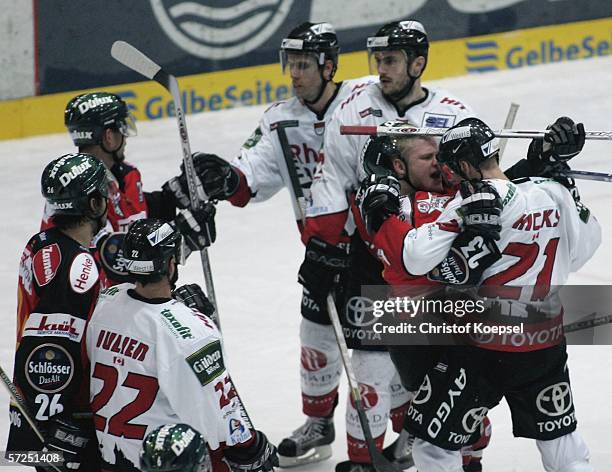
132, 58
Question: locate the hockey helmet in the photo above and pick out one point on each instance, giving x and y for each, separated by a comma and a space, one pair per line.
470, 140
316, 39
174, 447
149, 245
409, 36
68, 182
89, 114
378, 154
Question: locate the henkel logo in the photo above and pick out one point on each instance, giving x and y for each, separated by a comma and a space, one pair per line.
83, 273
313, 360
212, 32
54, 324
46, 262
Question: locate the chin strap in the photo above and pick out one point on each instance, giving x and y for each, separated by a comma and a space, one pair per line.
321, 89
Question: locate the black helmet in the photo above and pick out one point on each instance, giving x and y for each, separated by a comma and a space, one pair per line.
408, 35
149, 245
68, 182
378, 154
469, 140
174, 447
89, 114
317, 38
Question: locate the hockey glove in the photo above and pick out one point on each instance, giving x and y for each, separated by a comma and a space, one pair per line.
260, 456
218, 177
564, 140
322, 262
69, 439
378, 201
193, 296
481, 208
198, 228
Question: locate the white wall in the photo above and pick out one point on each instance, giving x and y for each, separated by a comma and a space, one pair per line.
16, 49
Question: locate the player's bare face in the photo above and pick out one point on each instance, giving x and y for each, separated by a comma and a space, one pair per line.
423, 168
305, 75
392, 67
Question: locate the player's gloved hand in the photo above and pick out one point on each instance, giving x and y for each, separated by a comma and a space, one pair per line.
481, 208
110, 250
322, 262
215, 175
71, 440
378, 201
564, 140
198, 227
193, 296
260, 456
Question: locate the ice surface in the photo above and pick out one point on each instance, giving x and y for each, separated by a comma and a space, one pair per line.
258, 252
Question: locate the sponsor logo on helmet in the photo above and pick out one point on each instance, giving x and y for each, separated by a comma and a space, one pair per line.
207, 363
213, 32
490, 148
83, 273
74, 171
292, 43
180, 444
87, 105
175, 326
61, 206
409, 25
457, 133
49, 368
81, 135
160, 234
55, 324
46, 262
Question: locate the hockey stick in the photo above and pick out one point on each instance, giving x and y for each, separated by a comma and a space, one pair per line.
133, 59
400, 128
587, 175
586, 324
23, 408
379, 462
509, 123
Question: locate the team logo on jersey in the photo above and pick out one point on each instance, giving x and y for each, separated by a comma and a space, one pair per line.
83, 273
207, 363
432, 203
46, 262
312, 359
54, 324
238, 431
49, 368
25, 270
253, 139
369, 397
214, 32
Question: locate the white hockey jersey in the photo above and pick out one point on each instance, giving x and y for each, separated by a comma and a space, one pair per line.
340, 171
153, 364
543, 239
261, 157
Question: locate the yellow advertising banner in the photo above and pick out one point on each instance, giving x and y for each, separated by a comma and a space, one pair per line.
264, 84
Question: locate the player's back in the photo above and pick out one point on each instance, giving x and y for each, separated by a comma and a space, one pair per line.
137, 349
540, 236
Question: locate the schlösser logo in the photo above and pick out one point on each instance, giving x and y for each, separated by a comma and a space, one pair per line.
220, 32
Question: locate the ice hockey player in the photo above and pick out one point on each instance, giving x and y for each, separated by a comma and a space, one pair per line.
154, 361
399, 51
58, 288
491, 209
99, 124
174, 448
310, 55
408, 183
